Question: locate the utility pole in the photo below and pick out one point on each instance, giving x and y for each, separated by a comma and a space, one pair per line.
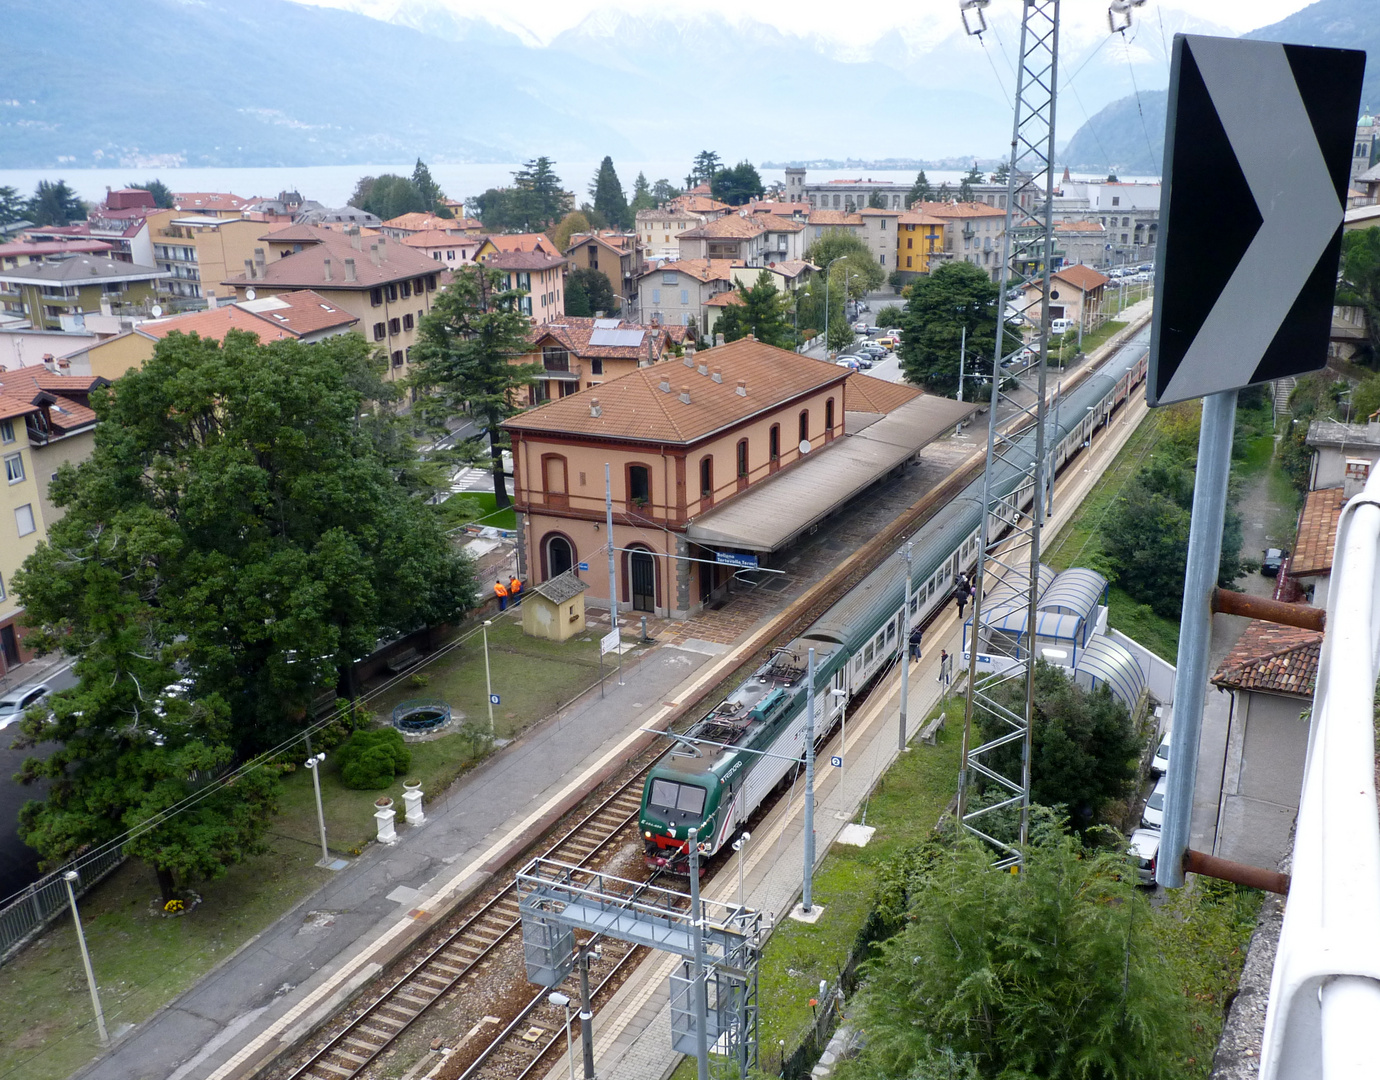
905, 648
805, 898
613, 581
697, 987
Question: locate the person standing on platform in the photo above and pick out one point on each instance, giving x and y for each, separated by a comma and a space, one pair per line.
961, 594
515, 589
501, 591
916, 638
943, 667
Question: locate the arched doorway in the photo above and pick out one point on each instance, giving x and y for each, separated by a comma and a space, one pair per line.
642, 571
560, 556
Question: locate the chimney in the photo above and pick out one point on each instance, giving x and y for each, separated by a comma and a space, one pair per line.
703, 369
742, 388
259, 261
327, 266
374, 254
752, 337
383, 245
355, 241
685, 394
665, 386
249, 268
718, 376
594, 409
349, 269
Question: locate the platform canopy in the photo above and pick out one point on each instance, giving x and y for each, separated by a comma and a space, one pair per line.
1104, 661
769, 515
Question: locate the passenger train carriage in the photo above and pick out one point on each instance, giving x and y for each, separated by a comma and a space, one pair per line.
717, 774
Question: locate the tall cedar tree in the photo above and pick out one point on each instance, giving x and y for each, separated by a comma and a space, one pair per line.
920, 191
576, 299
1057, 972
12, 205
427, 189
965, 186
707, 164
955, 295
642, 195
737, 185
538, 199
599, 295
465, 358
607, 192
54, 204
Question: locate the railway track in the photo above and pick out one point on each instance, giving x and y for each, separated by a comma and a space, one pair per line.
349, 1051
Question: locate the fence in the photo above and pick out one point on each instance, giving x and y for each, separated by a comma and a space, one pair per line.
27, 913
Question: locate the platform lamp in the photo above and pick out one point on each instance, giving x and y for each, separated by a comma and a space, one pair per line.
562, 1001
70, 878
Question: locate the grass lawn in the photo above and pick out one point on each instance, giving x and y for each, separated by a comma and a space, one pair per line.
488, 515
1102, 334
143, 961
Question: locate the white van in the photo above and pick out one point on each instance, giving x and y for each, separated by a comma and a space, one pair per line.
1060, 326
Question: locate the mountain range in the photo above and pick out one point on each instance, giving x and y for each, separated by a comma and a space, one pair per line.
89, 83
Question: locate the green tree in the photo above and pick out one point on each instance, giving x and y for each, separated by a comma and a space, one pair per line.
737, 185
1056, 972
54, 204
956, 295
576, 299
496, 209
965, 186
762, 314
13, 205
859, 264
1002, 174
1360, 283
427, 189
889, 316
599, 294
664, 191
388, 196
944, 193
162, 197
607, 193
877, 201
920, 191
1083, 743
465, 357
573, 223
642, 195
707, 165
538, 198
730, 323
1365, 400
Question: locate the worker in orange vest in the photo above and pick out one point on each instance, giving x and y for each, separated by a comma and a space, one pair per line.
515, 589
501, 591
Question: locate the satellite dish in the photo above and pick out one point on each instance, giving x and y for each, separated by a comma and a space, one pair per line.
157, 310
804, 446
249, 294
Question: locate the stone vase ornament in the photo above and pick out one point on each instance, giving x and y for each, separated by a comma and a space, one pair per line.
412, 801
384, 819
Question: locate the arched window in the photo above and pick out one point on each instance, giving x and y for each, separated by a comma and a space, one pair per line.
707, 477
774, 443
742, 457
639, 485
554, 480
558, 554
804, 425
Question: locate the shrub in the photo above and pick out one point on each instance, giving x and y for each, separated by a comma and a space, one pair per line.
888, 316
372, 759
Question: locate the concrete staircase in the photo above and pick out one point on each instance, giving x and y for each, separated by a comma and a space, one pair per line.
1283, 388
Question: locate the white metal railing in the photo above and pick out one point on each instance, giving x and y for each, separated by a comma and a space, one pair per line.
1325, 993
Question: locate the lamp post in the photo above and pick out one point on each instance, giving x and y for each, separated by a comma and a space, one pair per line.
739, 845
488, 682
962, 356
70, 877
561, 1001
312, 765
905, 634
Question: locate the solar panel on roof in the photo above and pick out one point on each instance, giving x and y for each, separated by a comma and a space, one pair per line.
617, 339
606, 324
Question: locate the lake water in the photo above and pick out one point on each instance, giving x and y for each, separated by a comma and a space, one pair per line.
333, 184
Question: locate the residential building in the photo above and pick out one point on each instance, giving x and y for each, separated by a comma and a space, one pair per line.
57, 294
22, 252
734, 449
751, 239
1309, 566
920, 243
405, 225
845, 195
343, 217
540, 276
973, 232
450, 248
821, 222
495, 243
788, 276
1129, 212
126, 229
697, 201
616, 255
576, 354
675, 293
1270, 673
45, 421
199, 251
284, 208
386, 285
658, 231
1342, 454
1081, 241
218, 204
879, 232
1075, 293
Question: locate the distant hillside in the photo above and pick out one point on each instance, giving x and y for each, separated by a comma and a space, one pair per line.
1127, 137
1340, 24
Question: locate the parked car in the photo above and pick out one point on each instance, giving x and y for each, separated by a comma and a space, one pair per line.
849, 362
860, 326
890, 339
872, 349
1159, 764
14, 702
1145, 848
1153, 815
1273, 562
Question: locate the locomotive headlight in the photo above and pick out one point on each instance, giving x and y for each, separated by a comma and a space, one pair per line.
648, 834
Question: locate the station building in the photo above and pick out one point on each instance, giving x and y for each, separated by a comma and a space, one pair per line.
717, 464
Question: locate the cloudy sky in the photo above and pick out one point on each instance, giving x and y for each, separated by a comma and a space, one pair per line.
866, 21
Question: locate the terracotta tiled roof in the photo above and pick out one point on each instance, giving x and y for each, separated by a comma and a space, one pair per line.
208, 200
35, 386
524, 260
727, 298
213, 325
435, 239
700, 269
920, 217
733, 225
1317, 534
793, 267
834, 217
305, 269
1079, 226
522, 242
574, 333
619, 243
875, 211
698, 204
301, 312
785, 209
959, 210
777, 223
1279, 659
634, 405
12, 407
1081, 277
419, 222
864, 393
297, 234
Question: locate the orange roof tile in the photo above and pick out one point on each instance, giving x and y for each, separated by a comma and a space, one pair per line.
574, 333
305, 269
834, 217
727, 298
958, 209
1317, 535
522, 242
420, 222
302, 312
700, 269
435, 239
1082, 277
13, 407
213, 325
731, 225
34, 386
635, 406
1271, 657
866, 393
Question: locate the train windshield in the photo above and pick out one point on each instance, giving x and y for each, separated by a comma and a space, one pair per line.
669, 795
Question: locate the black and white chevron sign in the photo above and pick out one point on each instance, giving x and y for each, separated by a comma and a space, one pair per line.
1257, 159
